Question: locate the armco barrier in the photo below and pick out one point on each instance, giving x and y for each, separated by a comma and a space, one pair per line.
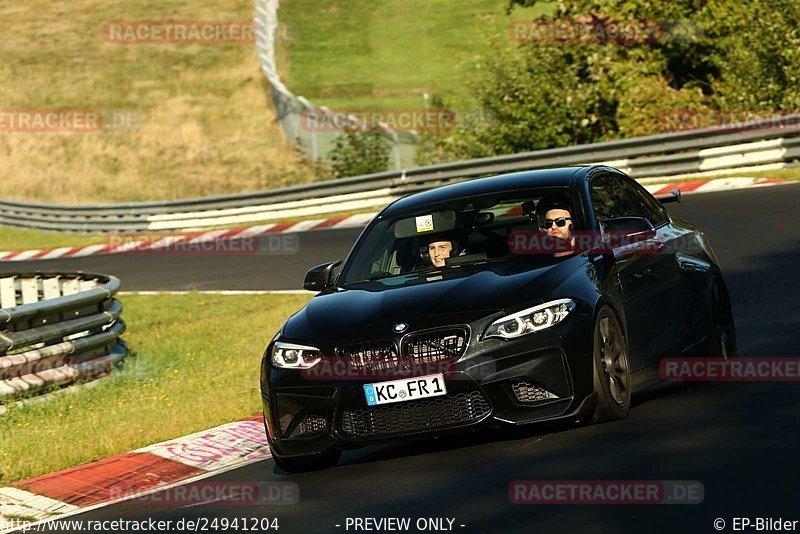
294, 112
749, 146
56, 329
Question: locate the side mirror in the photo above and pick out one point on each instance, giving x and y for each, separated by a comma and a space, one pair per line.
674, 196
319, 277
633, 229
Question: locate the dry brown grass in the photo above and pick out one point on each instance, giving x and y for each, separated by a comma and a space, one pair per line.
207, 120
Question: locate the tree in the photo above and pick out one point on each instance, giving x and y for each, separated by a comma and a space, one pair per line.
358, 152
757, 54
690, 63
526, 101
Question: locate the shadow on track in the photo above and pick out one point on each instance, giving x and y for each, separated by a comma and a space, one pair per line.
739, 439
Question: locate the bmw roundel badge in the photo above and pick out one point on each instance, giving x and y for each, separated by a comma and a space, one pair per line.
400, 327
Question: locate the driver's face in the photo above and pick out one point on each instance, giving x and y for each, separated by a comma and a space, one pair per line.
438, 251
555, 230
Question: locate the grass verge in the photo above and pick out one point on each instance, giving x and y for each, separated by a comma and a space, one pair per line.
358, 55
182, 376
14, 238
788, 175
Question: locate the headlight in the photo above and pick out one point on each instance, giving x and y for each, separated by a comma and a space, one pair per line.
530, 320
291, 356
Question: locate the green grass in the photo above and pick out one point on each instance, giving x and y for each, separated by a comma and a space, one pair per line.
361, 54
781, 174
14, 238
788, 175
194, 365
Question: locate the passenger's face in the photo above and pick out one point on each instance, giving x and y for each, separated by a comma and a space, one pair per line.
438, 251
555, 230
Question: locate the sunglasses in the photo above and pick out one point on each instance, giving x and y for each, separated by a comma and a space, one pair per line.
560, 222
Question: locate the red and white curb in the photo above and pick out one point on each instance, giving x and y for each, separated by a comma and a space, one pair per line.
128, 244
136, 473
712, 185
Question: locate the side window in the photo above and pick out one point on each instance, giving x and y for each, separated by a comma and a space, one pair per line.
646, 205
609, 199
379, 262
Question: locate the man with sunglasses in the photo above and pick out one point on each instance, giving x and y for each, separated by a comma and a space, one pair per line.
557, 222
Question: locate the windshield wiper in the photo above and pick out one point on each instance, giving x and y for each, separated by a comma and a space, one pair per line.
380, 275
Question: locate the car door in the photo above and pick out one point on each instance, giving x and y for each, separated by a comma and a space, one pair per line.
645, 276
691, 265
670, 291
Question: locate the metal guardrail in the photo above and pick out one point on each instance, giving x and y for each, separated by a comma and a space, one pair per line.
749, 145
56, 329
313, 129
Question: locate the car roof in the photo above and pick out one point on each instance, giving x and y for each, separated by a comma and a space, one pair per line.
559, 177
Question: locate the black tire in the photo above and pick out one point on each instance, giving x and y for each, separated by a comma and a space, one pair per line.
612, 374
300, 464
722, 330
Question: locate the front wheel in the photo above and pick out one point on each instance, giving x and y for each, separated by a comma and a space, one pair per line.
722, 334
612, 373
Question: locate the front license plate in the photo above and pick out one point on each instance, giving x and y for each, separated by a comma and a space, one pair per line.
419, 387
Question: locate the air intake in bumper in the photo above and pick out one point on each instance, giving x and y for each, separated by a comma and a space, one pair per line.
527, 392
311, 425
422, 415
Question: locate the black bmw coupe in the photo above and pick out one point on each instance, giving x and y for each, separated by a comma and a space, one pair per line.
536, 296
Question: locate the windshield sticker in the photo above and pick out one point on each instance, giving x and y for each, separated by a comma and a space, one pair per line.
424, 223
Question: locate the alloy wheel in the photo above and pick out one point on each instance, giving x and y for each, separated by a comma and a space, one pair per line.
614, 358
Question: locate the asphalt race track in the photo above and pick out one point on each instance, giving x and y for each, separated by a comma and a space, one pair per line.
742, 441
195, 272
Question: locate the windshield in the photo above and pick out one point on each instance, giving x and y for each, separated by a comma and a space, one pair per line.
469, 231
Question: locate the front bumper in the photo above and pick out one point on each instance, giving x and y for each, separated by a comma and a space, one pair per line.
542, 377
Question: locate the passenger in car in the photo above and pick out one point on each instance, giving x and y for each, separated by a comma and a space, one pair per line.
438, 251
437, 248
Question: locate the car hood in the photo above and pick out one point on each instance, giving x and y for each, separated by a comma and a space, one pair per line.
372, 309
